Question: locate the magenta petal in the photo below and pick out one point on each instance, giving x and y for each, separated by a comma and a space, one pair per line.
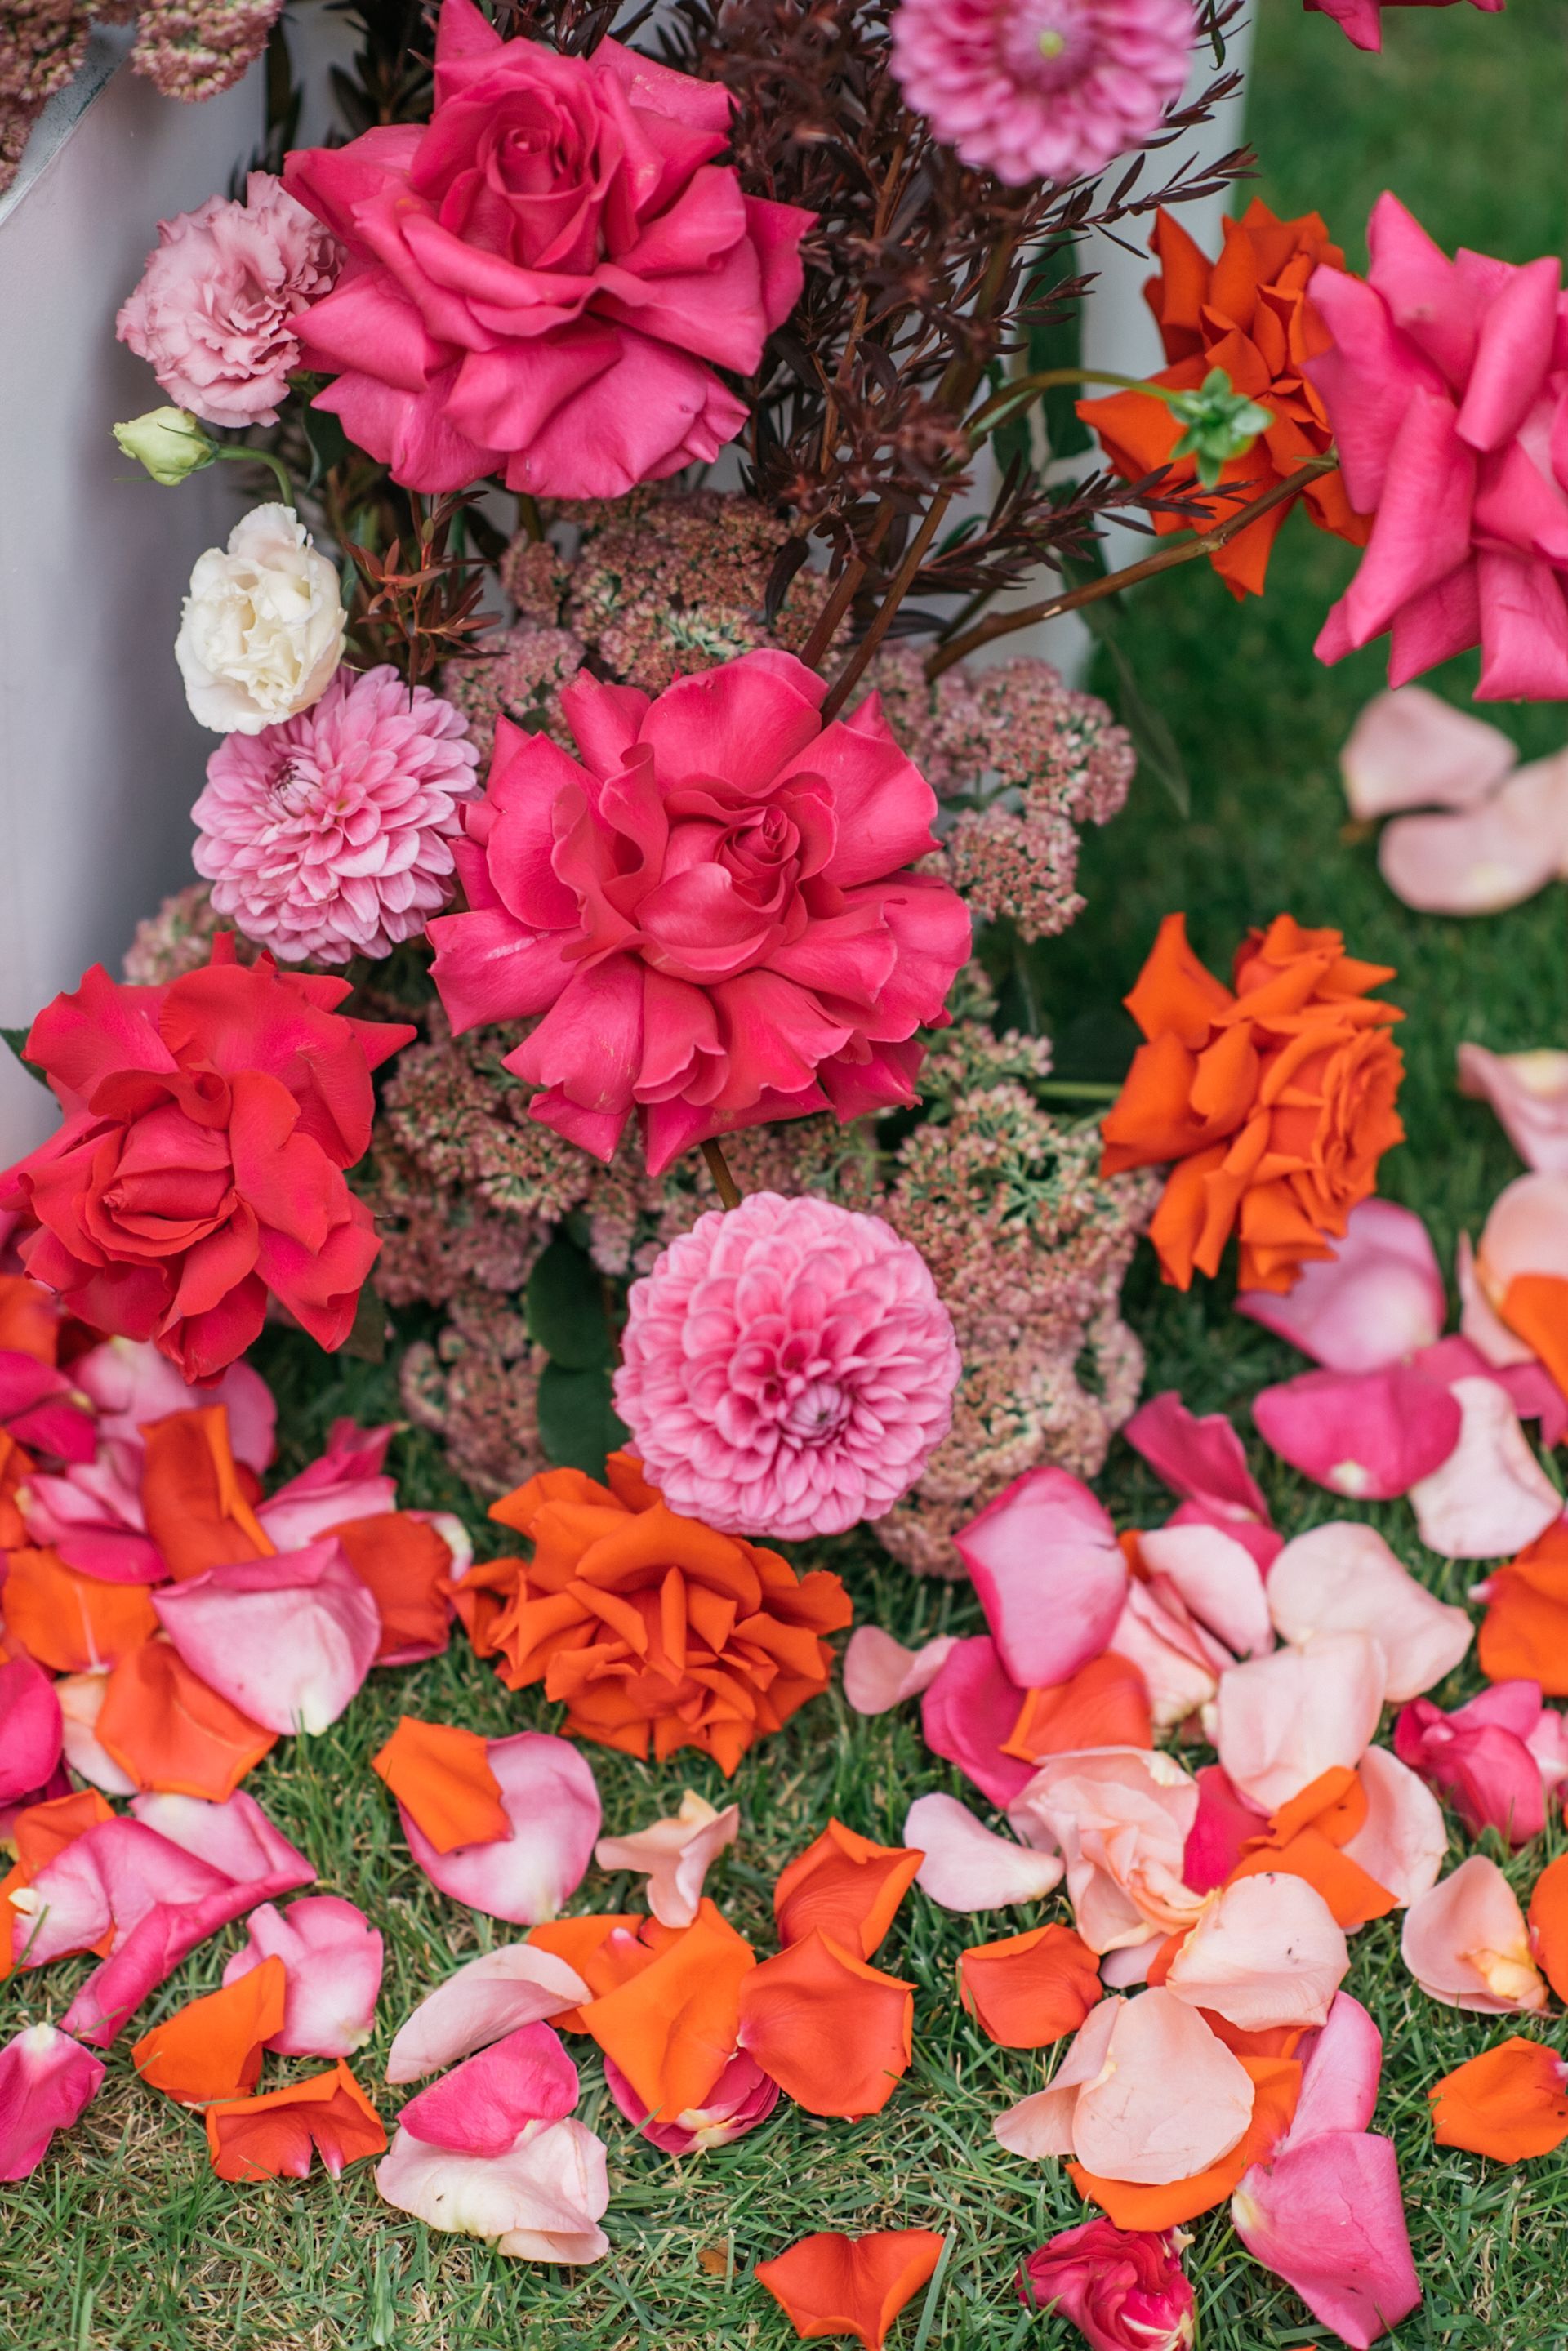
1050, 1574
550, 1797
1340, 2070
45, 2081
1367, 1435
1224, 1823
332, 1957
1524, 629
1329, 2219
31, 1731
969, 1710
288, 1640
1513, 353
1477, 1758
1378, 1298
743, 2096
479, 2107
1201, 1460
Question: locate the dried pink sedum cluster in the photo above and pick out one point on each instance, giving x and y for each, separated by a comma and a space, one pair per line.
787, 1368
1042, 89
329, 835
213, 314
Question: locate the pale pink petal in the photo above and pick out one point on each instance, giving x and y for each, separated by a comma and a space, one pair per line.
549, 1795
1480, 1325
1123, 1970
1404, 1840
880, 1672
1378, 1298
1410, 748
288, 1640
969, 1708
676, 1855
742, 2098
1224, 1823
540, 2201
1466, 1943
1170, 2100
1260, 1543
1548, 1744
45, 2081
1201, 1460
1269, 1951
1365, 1434
1527, 1383
1281, 1721
1487, 858
1340, 2071
1526, 1231
967, 1865
1329, 2219
81, 1702
347, 1483
1529, 1092
1043, 2125
1217, 1578
1180, 1668
1120, 1817
332, 1960
1343, 1578
1049, 1574
132, 1384
482, 2001
1492, 1497
479, 2107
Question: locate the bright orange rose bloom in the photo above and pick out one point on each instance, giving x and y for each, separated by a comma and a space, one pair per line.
1274, 1098
656, 1631
1248, 313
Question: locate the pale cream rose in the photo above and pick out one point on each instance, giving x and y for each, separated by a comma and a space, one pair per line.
262, 632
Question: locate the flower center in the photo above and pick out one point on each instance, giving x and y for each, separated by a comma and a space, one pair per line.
1052, 42
817, 1414
1048, 43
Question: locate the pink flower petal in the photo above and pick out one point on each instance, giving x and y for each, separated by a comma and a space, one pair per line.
1050, 1574
1529, 1092
1043, 2125
1340, 2071
541, 2200
676, 1855
1343, 1578
45, 2081
481, 2002
31, 1732
549, 1795
1478, 1757
1224, 1823
967, 1867
1269, 1952
1488, 858
742, 2098
969, 1708
347, 1483
131, 1382
1282, 1720
1378, 1299
1492, 1497
479, 2107
1410, 750
1179, 1665
81, 1701
1170, 2100
1404, 1840
1121, 1817
1526, 1231
879, 1672
288, 1640
1329, 2219
332, 1957
1466, 1943
1216, 1579
1366, 1434
1202, 1461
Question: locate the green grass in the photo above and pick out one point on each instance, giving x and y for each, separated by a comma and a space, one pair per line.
124, 2240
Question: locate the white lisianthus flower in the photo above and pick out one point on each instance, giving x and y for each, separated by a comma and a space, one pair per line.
262, 632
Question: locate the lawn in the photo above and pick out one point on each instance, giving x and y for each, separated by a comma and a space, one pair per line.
124, 2238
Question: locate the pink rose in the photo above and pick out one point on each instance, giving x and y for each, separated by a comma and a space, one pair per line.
1123, 2289
216, 310
708, 910
544, 279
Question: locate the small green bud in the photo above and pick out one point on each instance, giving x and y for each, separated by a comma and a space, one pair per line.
170, 441
1221, 424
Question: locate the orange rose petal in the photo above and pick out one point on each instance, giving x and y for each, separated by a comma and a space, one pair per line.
1027, 1991
442, 1775
29, 1318
14, 1466
832, 2284
1351, 1892
847, 1886
1264, 2040
272, 2136
42, 1831
835, 2033
211, 2047
167, 1730
1103, 1704
1510, 2102
1548, 1917
1535, 1308
1335, 1802
72, 1624
1277, 2083
604, 1947
404, 1564
14, 1879
1524, 1636
672, 2027
623, 1476
193, 1495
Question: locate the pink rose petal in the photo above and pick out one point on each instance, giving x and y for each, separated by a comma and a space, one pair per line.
347, 1483
1120, 1817
1488, 858
1340, 2069
970, 1707
1410, 750
1202, 1461
541, 2200
1329, 2219
45, 2081
549, 1795
131, 1382
742, 2098
81, 1702
676, 1855
1281, 1721
1216, 1578
481, 2002
1366, 1434
332, 1959
1269, 1952
1378, 1299
31, 1731
967, 1865
1404, 1840
479, 2107
1050, 1574
1343, 1578
1492, 1497
1224, 1823
1179, 1664
1466, 1943
1529, 1092
288, 1640
879, 1672
1480, 1758
1041, 2125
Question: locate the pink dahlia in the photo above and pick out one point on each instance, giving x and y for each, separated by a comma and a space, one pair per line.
707, 909
215, 312
1042, 89
788, 1368
331, 835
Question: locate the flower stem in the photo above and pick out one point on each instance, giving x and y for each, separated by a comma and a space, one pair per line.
718, 1168
266, 457
1074, 1090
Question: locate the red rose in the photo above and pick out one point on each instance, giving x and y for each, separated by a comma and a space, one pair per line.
1123, 2289
200, 1164
544, 279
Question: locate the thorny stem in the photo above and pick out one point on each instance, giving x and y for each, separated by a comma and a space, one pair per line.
718, 1168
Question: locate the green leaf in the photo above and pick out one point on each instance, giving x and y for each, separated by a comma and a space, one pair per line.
330, 444
565, 1308
578, 1422
1155, 746
17, 1039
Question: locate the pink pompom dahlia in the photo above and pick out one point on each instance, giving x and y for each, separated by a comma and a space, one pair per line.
788, 1368
1042, 89
329, 835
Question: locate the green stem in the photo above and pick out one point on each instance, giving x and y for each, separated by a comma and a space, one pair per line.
1026, 388
1075, 1090
265, 457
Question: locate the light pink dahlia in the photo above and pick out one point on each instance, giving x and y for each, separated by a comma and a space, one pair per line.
788, 1368
329, 835
1042, 89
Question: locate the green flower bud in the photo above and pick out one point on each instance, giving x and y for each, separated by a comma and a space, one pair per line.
1221, 424
170, 441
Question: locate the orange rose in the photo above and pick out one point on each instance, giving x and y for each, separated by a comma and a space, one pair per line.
1274, 1098
1248, 313
655, 1630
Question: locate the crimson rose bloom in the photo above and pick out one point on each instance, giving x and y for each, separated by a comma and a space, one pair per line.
544, 277
200, 1164
707, 909
1123, 2289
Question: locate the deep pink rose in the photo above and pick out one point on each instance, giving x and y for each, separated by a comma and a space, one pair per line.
199, 1163
708, 910
544, 279
216, 308
1123, 2289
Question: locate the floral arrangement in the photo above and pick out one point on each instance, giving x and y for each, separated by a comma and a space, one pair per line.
610, 986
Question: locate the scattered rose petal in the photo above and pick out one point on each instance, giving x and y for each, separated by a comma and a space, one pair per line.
131, 1382
1409, 748
1365, 1434
194, 1504
481, 2002
967, 1867
346, 1482
1223, 1822
288, 1640
1378, 1299
1282, 1720
1217, 1580
1121, 2288
1305, 1839
273, 2136
1343, 1578
1201, 1460
1340, 2071
833, 2031
1466, 1943
1104, 1704
969, 1710
479, 2107
552, 1801
167, 1730
674, 1854
1177, 1663
1529, 1093
31, 1733
45, 2081
540, 2201
72, 1623
1276, 2084
81, 1702
1478, 1757
1049, 1574
1029, 1991
1328, 2218
211, 2047
1524, 1633
1510, 2102
834, 2285
1165, 2100
333, 1958
443, 1782
880, 1672
1549, 1924
1482, 860
1404, 1840
1120, 1818
1269, 1952
674, 2025
1491, 1496
742, 2098
404, 1559
845, 1888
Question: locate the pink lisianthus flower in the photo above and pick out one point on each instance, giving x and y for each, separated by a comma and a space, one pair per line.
788, 1368
1123, 2289
216, 312
1446, 384
1042, 89
1361, 21
329, 835
707, 907
544, 279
